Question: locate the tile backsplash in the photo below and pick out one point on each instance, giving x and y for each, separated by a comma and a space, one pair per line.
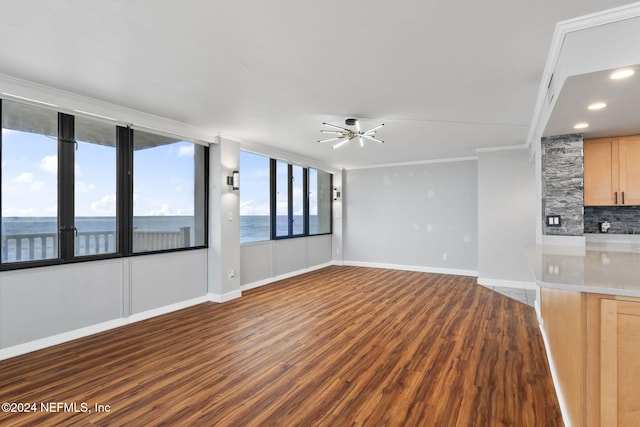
623, 219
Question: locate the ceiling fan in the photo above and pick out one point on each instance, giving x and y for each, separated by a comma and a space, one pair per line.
344, 135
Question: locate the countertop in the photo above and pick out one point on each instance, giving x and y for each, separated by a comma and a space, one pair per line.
598, 267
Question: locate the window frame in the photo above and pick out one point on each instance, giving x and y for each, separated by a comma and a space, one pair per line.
330, 195
305, 202
124, 197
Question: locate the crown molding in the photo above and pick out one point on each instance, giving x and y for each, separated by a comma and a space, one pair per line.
502, 148
417, 162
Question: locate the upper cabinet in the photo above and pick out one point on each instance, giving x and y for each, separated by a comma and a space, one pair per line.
612, 171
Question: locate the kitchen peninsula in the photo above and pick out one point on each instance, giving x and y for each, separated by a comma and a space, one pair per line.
589, 309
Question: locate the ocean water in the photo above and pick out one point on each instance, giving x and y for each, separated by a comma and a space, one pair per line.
256, 228
33, 238
42, 225
38, 235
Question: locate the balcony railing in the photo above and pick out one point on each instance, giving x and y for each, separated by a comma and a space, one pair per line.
38, 246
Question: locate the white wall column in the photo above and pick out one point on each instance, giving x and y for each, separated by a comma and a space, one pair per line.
338, 215
224, 225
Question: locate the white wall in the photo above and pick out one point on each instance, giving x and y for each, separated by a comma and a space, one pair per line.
265, 262
507, 200
41, 304
421, 217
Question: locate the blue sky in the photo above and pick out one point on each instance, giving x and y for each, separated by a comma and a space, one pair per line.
163, 181
254, 187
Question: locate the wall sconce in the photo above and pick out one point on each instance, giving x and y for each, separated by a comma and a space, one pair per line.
234, 180
336, 194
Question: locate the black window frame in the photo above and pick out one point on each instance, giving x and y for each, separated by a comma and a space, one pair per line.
290, 213
330, 194
124, 198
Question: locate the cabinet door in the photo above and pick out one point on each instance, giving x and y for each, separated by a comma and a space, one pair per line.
629, 160
619, 363
600, 172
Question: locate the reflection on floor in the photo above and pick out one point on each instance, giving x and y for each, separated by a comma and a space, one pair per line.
525, 296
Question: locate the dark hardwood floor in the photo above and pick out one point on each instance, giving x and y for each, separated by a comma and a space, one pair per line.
339, 346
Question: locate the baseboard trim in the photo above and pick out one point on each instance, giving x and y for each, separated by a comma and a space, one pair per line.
269, 280
506, 283
419, 268
554, 377
224, 297
39, 344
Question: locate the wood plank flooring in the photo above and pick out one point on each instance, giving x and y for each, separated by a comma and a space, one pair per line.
341, 346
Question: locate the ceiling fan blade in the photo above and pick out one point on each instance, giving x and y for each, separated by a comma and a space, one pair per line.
364, 135
339, 132
330, 139
334, 126
358, 126
375, 128
361, 141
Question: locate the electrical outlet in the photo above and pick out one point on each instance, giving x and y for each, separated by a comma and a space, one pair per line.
232, 275
553, 221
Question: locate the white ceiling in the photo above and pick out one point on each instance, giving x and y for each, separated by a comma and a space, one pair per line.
445, 77
620, 117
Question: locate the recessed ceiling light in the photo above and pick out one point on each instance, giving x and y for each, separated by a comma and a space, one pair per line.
597, 106
581, 125
622, 74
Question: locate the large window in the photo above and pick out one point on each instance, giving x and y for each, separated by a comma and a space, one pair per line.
282, 221
167, 207
75, 188
95, 187
319, 202
254, 198
29, 183
282, 200
298, 205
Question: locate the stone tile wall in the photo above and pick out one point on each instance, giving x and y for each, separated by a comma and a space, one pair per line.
563, 183
623, 219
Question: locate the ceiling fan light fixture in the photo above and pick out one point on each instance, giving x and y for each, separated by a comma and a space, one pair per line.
341, 143
345, 135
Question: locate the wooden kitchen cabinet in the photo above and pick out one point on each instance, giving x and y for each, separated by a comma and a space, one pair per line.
619, 363
629, 168
612, 171
594, 344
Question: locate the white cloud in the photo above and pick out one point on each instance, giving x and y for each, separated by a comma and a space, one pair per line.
179, 188
36, 186
164, 210
24, 178
105, 206
27, 212
251, 207
25, 181
84, 188
49, 164
51, 210
186, 150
